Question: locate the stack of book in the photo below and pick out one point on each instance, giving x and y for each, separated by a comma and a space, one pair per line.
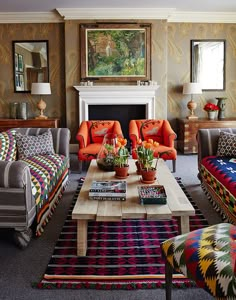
108, 190
152, 194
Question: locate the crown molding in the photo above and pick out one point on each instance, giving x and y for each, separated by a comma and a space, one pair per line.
30, 17
169, 14
114, 13
202, 17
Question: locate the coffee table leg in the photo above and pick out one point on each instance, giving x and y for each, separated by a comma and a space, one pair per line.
184, 224
82, 231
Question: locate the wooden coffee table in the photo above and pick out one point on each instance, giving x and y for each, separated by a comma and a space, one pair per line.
84, 210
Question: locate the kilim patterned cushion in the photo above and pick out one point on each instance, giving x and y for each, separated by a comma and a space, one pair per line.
29, 145
8, 145
208, 257
226, 144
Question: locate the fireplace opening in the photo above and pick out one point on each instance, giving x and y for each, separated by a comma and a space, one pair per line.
122, 113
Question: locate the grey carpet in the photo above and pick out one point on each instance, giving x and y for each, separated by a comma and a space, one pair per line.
21, 267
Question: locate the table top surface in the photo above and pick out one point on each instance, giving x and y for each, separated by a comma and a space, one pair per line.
177, 202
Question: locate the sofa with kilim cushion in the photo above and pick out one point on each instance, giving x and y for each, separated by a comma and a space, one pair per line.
34, 164
217, 169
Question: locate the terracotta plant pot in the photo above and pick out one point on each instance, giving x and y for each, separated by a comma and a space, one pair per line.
148, 176
121, 172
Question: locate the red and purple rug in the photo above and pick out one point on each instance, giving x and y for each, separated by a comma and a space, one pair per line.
120, 255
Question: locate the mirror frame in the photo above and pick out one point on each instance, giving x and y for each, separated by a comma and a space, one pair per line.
193, 60
18, 61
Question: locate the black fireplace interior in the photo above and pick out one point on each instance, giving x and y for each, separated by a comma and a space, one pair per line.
122, 113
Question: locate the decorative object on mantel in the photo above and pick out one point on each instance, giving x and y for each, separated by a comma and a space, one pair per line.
211, 110
221, 104
41, 88
192, 88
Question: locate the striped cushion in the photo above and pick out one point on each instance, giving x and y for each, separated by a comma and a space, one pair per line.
7, 145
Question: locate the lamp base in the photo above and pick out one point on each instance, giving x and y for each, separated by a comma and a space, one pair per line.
192, 117
41, 117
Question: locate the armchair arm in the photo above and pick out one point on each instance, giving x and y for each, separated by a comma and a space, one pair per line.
117, 129
133, 133
168, 134
82, 135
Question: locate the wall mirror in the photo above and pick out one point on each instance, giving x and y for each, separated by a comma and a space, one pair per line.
30, 61
208, 63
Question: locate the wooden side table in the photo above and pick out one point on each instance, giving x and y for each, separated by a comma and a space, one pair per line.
187, 131
6, 124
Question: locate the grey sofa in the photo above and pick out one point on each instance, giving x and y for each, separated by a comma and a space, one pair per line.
217, 172
18, 207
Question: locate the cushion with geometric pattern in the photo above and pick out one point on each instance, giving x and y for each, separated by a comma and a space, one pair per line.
226, 144
30, 145
8, 145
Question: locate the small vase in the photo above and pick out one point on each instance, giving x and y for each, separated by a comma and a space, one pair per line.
221, 105
212, 115
121, 172
148, 176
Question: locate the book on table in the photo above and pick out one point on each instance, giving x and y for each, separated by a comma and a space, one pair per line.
108, 190
152, 194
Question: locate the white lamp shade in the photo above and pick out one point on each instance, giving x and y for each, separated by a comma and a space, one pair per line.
41, 88
192, 88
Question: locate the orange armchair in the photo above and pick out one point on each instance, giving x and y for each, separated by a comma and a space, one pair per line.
90, 136
158, 130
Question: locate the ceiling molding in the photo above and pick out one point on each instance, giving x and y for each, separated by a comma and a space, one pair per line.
30, 17
202, 17
169, 14
115, 13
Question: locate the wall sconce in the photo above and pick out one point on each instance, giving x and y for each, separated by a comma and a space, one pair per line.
41, 88
192, 88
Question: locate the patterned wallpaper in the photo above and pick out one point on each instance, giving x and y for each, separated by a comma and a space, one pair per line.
179, 37
170, 64
54, 33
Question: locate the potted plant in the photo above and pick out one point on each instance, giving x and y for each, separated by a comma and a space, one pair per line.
121, 165
145, 152
211, 109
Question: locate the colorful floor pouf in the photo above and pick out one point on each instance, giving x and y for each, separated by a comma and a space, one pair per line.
207, 256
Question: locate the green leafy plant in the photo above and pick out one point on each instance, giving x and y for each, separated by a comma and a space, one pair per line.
145, 152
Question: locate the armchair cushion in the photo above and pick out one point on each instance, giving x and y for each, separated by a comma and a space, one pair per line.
8, 145
29, 145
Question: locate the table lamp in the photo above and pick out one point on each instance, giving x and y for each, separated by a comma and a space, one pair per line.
41, 88
192, 88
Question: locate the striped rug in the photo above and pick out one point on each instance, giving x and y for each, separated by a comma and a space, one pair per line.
120, 255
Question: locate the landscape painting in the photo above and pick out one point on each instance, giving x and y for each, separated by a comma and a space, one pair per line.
116, 53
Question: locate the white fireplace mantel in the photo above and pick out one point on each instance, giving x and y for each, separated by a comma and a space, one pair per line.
115, 95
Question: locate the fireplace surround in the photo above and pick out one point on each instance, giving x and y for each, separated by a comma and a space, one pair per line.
116, 95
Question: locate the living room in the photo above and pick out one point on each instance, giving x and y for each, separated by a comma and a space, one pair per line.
172, 30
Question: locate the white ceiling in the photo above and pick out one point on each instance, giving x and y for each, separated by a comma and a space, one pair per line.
179, 5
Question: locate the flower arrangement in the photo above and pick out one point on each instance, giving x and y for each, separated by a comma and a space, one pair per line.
122, 153
211, 107
145, 152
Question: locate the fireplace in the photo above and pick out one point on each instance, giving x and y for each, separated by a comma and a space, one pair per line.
119, 102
